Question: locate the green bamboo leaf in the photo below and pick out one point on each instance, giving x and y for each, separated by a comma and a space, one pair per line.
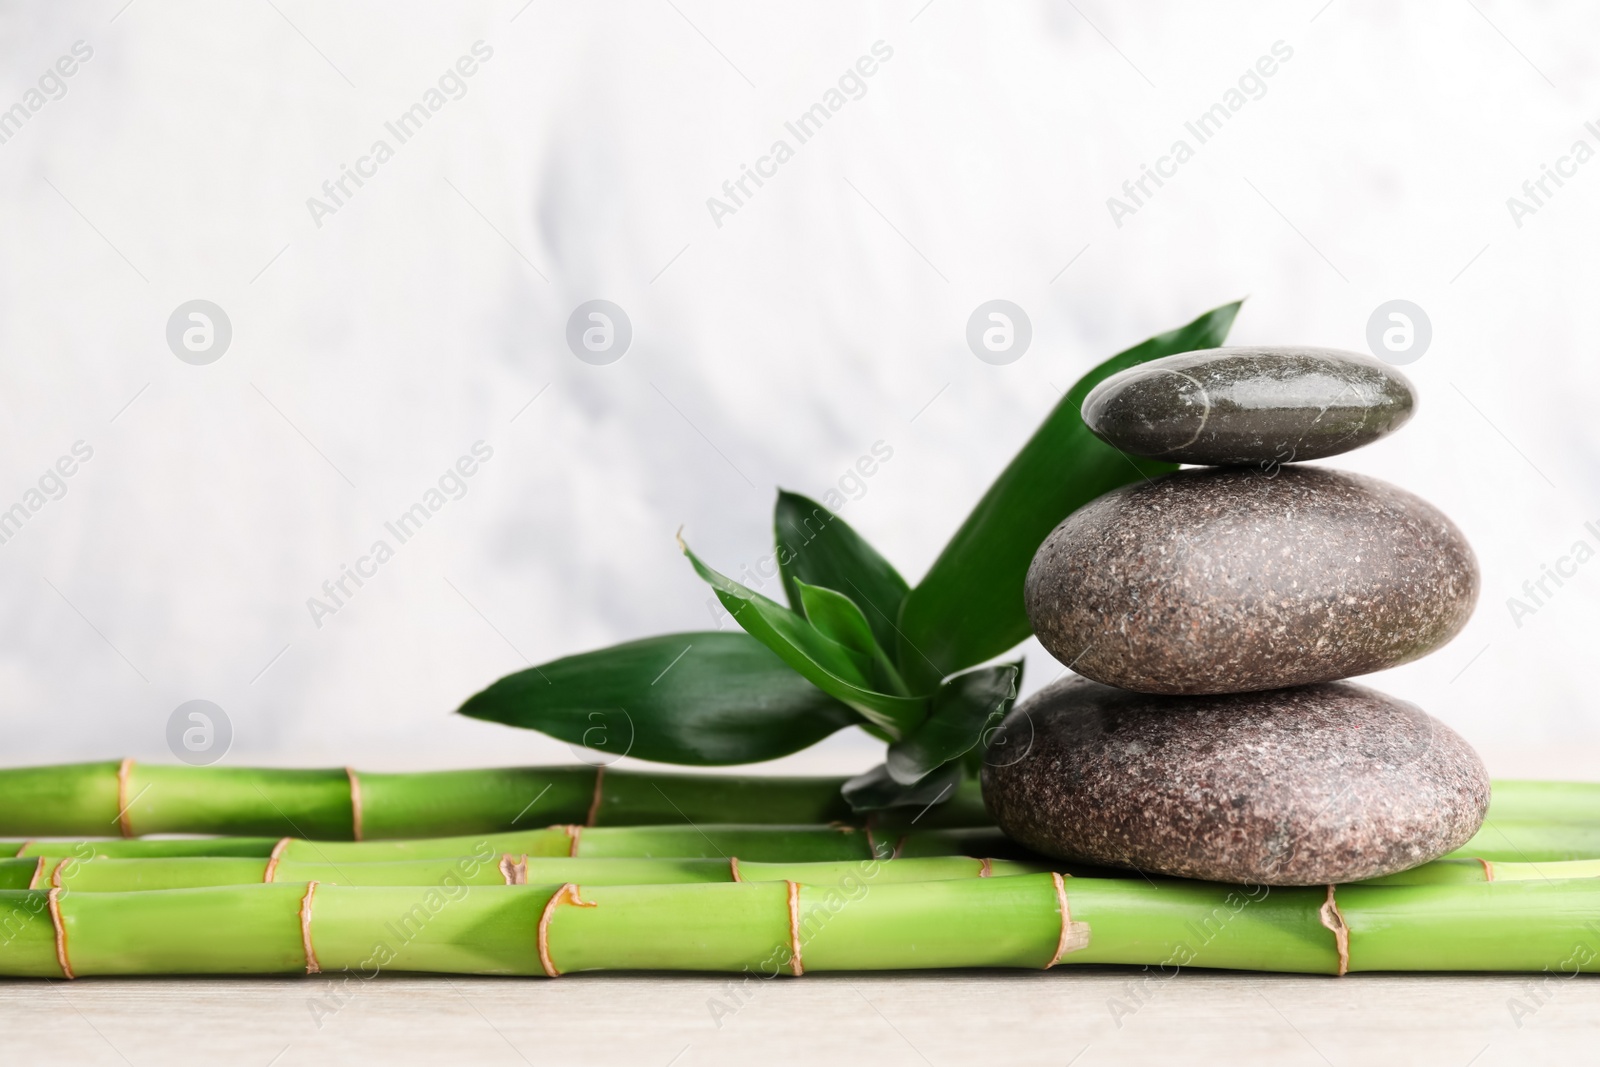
969, 606
817, 547
703, 699
838, 617
964, 709
837, 670
876, 790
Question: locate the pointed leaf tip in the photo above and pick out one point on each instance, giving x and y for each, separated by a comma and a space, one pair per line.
816, 547
836, 669
969, 606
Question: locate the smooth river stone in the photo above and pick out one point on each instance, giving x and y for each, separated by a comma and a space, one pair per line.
1249, 406
1307, 786
1226, 580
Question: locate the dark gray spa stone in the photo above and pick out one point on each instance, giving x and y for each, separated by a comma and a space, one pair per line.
1228, 579
1306, 786
1249, 406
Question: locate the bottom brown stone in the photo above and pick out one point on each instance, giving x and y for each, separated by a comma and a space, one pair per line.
1305, 786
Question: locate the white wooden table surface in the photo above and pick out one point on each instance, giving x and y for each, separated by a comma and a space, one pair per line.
1081, 1017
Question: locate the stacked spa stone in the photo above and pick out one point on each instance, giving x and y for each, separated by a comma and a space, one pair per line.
1211, 615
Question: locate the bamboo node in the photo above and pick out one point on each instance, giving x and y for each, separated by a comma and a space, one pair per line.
568, 892
38, 874
1074, 935
55, 875
594, 803
985, 868
1330, 916
513, 869
1488, 870
124, 817
312, 966
733, 868
272, 860
355, 804
573, 832
54, 899
796, 966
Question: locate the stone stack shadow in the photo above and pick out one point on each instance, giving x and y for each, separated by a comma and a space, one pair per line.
1211, 616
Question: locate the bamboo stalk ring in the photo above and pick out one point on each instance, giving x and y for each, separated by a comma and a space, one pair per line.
124, 778
272, 860
312, 966
1330, 916
54, 899
1074, 935
594, 803
514, 869
355, 804
796, 965
566, 892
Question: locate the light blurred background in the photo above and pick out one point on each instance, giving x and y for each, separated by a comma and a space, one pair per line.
374, 345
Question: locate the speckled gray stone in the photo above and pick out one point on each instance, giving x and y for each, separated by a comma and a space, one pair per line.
1306, 786
1227, 579
1250, 406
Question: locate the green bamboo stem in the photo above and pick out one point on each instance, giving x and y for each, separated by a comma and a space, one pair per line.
1468, 871
485, 868
1510, 847
192, 872
1532, 801
144, 848
763, 844
1532, 841
132, 799
771, 928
